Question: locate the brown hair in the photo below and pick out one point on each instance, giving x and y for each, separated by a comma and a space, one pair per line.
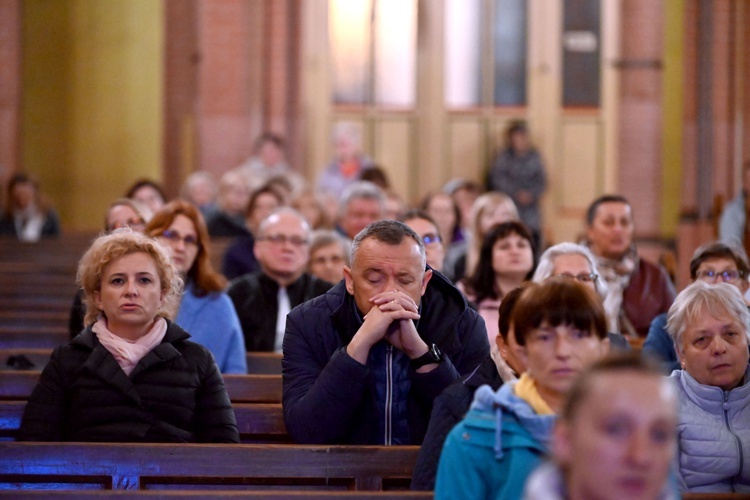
201, 274
505, 313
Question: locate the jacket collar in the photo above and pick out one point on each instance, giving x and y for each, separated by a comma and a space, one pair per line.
103, 365
710, 394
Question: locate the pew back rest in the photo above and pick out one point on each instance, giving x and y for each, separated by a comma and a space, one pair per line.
184, 466
18, 385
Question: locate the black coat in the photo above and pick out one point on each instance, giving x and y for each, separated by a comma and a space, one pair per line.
449, 409
174, 394
255, 298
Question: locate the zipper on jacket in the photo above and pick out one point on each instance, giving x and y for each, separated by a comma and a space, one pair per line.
736, 438
388, 395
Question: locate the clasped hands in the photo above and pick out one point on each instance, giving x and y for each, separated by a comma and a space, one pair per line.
391, 318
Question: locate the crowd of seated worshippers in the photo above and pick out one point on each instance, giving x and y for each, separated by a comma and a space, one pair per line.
538, 371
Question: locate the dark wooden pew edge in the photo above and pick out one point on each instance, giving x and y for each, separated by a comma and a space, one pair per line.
256, 422
208, 495
258, 363
17, 386
183, 466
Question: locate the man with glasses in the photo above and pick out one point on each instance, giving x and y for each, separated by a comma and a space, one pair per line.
426, 228
264, 298
570, 260
714, 262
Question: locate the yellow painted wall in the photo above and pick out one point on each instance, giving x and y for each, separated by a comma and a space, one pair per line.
673, 106
92, 105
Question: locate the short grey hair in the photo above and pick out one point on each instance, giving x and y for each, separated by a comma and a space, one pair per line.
325, 237
720, 299
390, 232
547, 263
349, 131
361, 189
281, 211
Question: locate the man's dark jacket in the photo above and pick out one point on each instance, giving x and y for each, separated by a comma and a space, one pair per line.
174, 394
331, 398
450, 408
255, 298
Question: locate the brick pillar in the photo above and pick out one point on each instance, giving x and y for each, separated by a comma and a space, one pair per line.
639, 150
180, 93
281, 111
232, 72
10, 87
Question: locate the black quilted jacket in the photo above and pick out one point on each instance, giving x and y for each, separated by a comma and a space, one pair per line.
174, 394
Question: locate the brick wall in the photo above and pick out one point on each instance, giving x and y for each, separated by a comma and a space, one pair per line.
10, 87
640, 126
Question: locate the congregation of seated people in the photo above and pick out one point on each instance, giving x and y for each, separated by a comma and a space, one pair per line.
450, 324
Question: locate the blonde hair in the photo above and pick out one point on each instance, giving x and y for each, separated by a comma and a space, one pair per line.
485, 202
110, 247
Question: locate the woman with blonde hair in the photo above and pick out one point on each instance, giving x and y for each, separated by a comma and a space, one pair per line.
206, 312
123, 212
132, 375
488, 210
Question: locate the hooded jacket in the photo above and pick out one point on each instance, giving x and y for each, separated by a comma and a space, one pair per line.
492, 451
330, 398
449, 408
174, 394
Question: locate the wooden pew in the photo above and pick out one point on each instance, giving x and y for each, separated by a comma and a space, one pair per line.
210, 495
258, 363
256, 422
198, 466
38, 357
32, 336
17, 386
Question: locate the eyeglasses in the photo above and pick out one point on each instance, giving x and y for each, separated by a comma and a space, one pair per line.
431, 238
583, 277
726, 276
280, 239
174, 237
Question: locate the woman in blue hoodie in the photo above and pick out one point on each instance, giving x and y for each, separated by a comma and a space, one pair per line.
560, 329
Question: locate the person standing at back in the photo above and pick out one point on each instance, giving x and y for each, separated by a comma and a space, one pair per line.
518, 171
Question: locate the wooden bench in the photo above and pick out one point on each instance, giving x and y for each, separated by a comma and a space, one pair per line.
33, 337
256, 422
198, 466
210, 495
258, 363
17, 386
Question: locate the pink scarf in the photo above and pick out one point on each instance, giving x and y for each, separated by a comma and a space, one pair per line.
128, 353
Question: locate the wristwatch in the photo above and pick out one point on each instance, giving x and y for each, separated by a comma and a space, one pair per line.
433, 355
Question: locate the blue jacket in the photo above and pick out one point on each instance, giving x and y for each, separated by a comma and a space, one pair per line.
659, 344
492, 451
713, 435
331, 398
212, 322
